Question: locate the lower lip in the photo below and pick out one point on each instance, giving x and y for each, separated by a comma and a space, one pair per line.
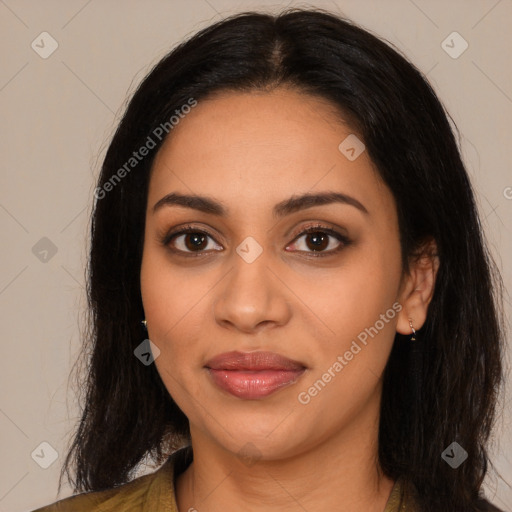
251, 385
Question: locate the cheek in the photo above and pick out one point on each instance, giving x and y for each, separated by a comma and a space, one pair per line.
358, 304
174, 315
172, 296
351, 298
175, 305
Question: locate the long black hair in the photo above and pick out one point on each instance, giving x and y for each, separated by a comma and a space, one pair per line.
456, 363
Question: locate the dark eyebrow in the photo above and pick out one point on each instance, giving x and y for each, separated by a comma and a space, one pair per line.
286, 207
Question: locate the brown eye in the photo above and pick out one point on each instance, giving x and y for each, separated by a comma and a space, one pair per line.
317, 241
195, 241
189, 240
320, 241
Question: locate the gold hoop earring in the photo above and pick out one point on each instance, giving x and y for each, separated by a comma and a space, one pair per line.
144, 323
413, 335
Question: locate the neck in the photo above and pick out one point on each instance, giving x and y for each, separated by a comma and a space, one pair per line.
341, 470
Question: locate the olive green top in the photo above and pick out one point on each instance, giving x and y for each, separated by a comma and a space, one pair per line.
156, 493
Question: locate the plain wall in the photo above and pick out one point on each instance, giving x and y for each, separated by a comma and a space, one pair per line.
58, 115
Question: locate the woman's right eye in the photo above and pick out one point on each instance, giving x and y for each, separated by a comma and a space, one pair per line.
189, 241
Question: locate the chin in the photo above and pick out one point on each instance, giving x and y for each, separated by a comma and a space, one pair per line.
260, 442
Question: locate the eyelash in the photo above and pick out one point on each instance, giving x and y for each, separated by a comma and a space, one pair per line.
317, 228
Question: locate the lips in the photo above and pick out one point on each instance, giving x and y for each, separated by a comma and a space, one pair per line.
253, 375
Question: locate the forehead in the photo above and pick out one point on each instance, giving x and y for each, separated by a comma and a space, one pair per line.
251, 148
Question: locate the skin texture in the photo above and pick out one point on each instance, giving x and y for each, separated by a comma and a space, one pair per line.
250, 151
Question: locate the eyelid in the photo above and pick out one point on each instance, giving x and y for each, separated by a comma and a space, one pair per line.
183, 230
312, 227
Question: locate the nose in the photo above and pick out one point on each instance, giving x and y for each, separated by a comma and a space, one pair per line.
252, 297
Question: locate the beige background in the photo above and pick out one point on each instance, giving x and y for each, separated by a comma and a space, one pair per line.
58, 115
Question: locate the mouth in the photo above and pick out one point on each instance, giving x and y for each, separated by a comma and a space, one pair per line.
253, 375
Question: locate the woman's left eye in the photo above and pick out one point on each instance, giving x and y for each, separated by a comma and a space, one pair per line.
318, 238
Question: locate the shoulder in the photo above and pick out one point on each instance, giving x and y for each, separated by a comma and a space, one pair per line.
146, 493
404, 498
130, 496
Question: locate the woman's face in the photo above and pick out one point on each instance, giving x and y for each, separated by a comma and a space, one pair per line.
247, 280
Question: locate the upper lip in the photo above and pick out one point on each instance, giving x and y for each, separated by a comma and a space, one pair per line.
253, 361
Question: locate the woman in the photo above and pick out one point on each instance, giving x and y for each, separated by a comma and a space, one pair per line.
283, 211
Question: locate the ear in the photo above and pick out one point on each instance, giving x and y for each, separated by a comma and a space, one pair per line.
417, 288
